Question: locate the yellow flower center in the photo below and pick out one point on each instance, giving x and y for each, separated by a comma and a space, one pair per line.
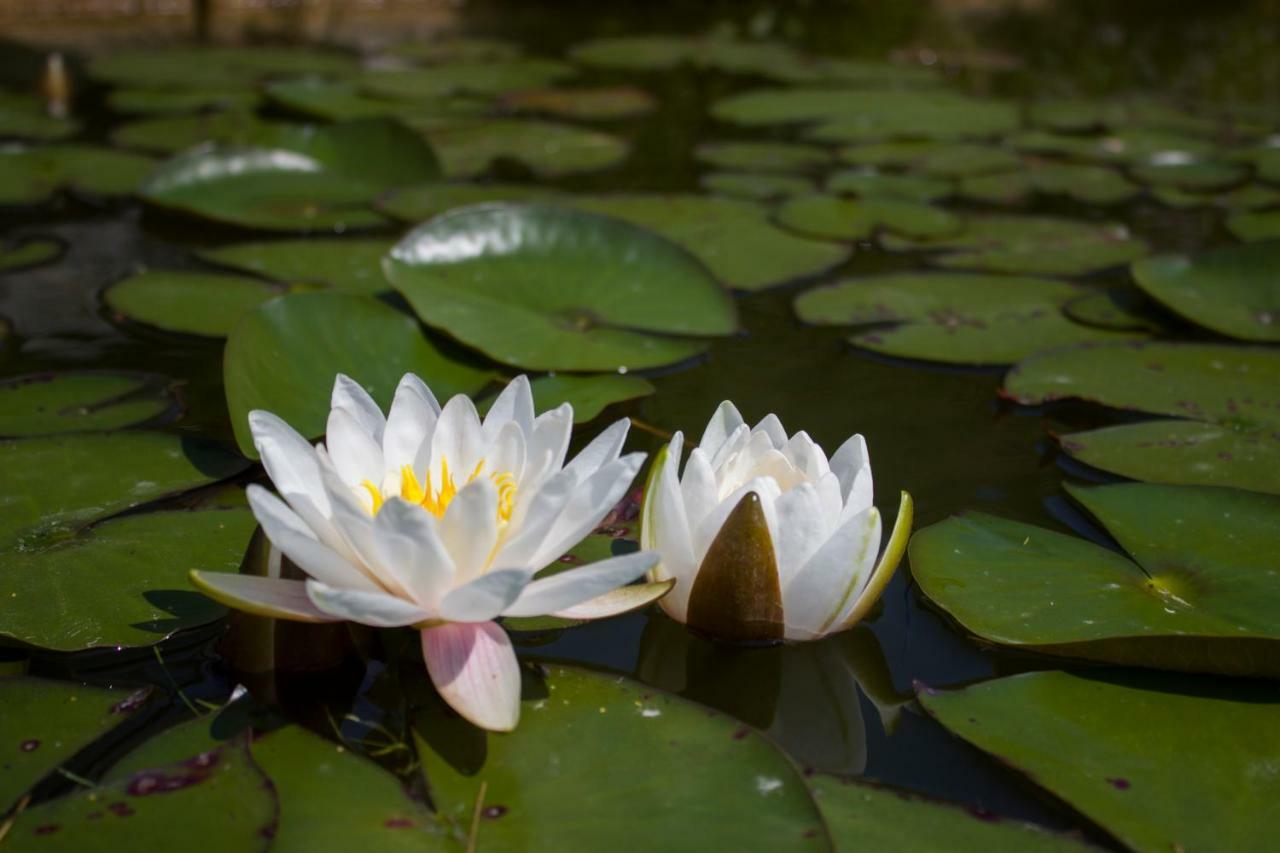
437, 500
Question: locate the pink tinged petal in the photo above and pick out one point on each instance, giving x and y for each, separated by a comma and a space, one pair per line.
410, 423
624, 599
883, 572
576, 586
587, 506
315, 558
831, 580
551, 432
457, 439
484, 598
376, 609
475, 670
602, 450
410, 543
801, 529
274, 597
355, 454
514, 404
469, 528
772, 427
724, 422
352, 398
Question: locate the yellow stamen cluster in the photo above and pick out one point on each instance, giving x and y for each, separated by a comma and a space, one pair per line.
436, 501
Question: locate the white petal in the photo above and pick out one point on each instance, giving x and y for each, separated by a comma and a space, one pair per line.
410, 423
602, 450
485, 597
706, 531
852, 465
551, 432
816, 595
664, 527
587, 506
531, 523
724, 422
273, 597
772, 427
457, 440
734, 443
409, 543
349, 396
624, 599
376, 609
506, 454
355, 454
801, 529
469, 528
575, 586
292, 465
698, 487
807, 456
318, 560
514, 404
475, 670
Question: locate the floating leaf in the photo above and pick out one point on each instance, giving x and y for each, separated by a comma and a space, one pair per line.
951, 317
762, 156
835, 218
32, 175
25, 117
698, 763
1247, 197
1124, 146
873, 184
172, 134
1196, 596
601, 103
1232, 290
1161, 765
636, 53
163, 102
1225, 397
30, 252
481, 78
756, 186
526, 285
589, 395
49, 403
1033, 245
354, 266
202, 68
889, 154
283, 356
45, 723
1253, 226
193, 303
1198, 175
1112, 308
548, 149
1084, 114
340, 100
964, 160
1088, 184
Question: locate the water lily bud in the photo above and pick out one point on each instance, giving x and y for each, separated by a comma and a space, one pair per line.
766, 538
55, 86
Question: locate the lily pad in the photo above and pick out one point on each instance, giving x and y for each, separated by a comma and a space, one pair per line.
1088, 184
1197, 175
342, 100
32, 252
1249, 197
1196, 596
193, 303
601, 103
756, 186
834, 218
862, 815
901, 153
1224, 398
1233, 290
45, 723
542, 287
636, 53
202, 68
481, 78
1112, 308
354, 266
1254, 226
283, 356
25, 117
763, 156
1160, 765
32, 175
589, 395
154, 102
49, 403
548, 149
951, 317
871, 184
1032, 245
960, 160
698, 763
171, 134
1133, 147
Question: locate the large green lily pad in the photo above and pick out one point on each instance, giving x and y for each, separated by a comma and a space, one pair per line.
1255, 225
49, 403
1223, 397
1234, 291
1076, 115
1196, 596
1130, 146
201, 68
548, 288
32, 175
951, 317
480, 78
861, 816
283, 356
763, 156
161, 102
47, 722
354, 266
25, 117
193, 303
1195, 175
171, 134
708, 780
549, 149
342, 100
1088, 184
1160, 764
872, 184
835, 218
1029, 244
756, 186
589, 395
601, 103
1113, 308
31, 252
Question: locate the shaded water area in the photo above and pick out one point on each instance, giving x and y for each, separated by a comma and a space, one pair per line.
842, 705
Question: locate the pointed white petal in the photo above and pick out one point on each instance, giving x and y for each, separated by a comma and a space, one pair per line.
457, 440
724, 422
485, 597
664, 527
410, 423
706, 531
852, 464
576, 586
587, 506
274, 597
801, 529
355, 454
475, 670
817, 594
880, 576
469, 528
409, 545
349, 396
315, 558
772, 427
602, 450
532, 521
514, 404
551, 432
698, 487
624, 599
291, 463
376, 609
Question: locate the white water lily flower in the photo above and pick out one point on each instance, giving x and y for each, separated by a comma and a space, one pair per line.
436, 519
765, 538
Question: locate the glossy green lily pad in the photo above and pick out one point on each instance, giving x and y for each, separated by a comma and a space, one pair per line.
951, 317
872, 184
202, 68
32, 175
698, 763
861, 815
171, 134
589, 395
1160, 764
602, 103
1233, 290
283, 356
1088, 184
220, 797
1196, 176
756, 186
548, 288
1196, 596
193, 303
1032, 245
349, 265
1113, 308
1254, 226
835, 218
1222, 397
31, 252
480, 78
160, 102
50, 403
25, 117
763, 156
548, 149
1133, 146
45, 723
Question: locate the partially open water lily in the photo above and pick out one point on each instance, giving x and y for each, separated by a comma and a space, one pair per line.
436, 519
767, 539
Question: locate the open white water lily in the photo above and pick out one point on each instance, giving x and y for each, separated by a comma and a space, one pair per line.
436, 519
767, 539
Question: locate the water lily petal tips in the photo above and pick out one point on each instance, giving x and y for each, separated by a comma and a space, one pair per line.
431, 517
764, 538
